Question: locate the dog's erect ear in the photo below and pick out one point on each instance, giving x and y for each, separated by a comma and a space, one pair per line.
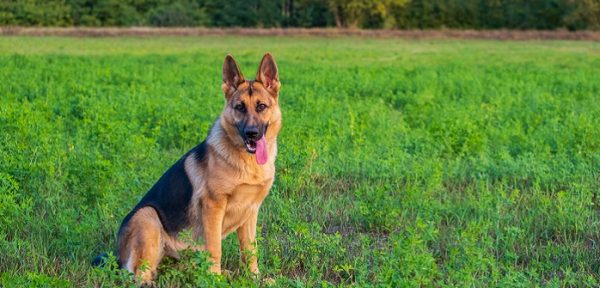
232, 76
267, 74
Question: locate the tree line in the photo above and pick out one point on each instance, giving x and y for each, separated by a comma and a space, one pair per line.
369, 14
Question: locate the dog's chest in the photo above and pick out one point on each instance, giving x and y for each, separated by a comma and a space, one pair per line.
243, 202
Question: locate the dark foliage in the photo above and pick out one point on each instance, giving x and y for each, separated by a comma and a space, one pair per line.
422, 14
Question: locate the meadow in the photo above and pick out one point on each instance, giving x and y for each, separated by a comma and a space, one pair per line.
402, 163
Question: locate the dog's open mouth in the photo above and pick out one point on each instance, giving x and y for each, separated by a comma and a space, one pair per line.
250, 145
259, 148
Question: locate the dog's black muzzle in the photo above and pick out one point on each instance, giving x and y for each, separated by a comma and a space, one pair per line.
251, 134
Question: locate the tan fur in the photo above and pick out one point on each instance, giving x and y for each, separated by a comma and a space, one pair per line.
228, 185
142, 243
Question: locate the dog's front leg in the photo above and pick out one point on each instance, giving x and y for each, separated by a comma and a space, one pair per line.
247, 236
213, 212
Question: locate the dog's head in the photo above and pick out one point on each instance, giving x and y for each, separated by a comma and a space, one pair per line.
251, 116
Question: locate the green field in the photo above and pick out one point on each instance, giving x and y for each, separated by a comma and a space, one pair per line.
401, 163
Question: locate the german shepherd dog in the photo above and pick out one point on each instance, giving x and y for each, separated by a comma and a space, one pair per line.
215, 188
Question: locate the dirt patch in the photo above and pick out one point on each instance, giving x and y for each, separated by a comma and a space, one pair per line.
323, 32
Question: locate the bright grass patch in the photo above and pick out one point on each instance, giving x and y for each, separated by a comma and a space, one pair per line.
401, 163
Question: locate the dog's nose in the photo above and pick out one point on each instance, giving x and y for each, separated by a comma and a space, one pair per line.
251, 133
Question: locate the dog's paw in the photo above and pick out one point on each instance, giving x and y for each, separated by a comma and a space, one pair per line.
268, 281
226, 273
215, 269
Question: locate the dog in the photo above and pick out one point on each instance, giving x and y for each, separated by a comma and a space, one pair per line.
215, 188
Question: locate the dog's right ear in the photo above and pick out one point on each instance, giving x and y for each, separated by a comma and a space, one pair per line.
232, 77
267, 74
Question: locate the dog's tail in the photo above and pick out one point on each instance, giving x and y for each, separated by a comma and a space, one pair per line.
103, 259
100, 260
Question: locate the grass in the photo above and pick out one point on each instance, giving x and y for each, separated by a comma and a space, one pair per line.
401, 163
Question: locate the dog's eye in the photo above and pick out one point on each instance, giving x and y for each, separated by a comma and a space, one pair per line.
261, 107
240, 107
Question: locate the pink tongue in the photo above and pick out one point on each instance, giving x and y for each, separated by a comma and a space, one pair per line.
261, 151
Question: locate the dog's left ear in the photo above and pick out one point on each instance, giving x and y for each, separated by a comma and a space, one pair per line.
267, 74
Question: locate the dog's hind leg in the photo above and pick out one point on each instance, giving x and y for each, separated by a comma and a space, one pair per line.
174, 245
141, 246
